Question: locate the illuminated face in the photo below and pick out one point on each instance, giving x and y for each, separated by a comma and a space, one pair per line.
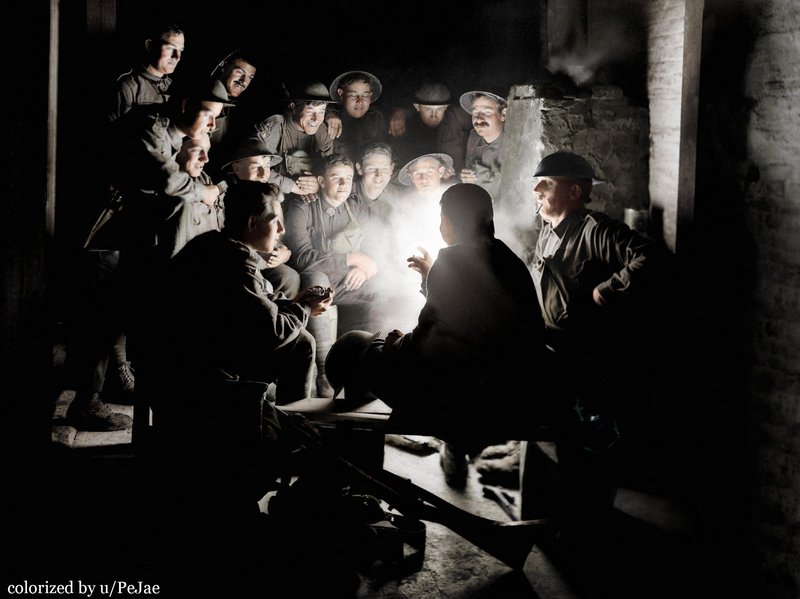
237, 76
193, 155
252, 168
431, 116
311, 118
488, 117
553, 197
356, 98
426, 174
337, 183
205, 118
375, 174
166, 52
268, 232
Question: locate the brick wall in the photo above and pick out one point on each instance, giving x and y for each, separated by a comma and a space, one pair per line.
772, 209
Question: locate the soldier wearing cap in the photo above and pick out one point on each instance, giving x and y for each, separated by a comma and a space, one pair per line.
300, 137
432, 127
360, 122
416, 215
483, 160
411, 224
251, 161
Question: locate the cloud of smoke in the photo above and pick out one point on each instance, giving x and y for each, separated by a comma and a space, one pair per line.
613, 36
413, 224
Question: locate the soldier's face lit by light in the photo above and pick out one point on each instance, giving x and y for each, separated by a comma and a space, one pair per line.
167, 52
431, 116
375, 174
193, 155
426, 174
488, 117
253, 168
205, 119
356, 97
237, 77
337, 183
553, 197
311, 118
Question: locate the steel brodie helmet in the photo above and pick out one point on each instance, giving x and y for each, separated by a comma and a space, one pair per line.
342, 363
566, 164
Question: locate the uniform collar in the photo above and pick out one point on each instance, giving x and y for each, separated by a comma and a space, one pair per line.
574, 216
161, 83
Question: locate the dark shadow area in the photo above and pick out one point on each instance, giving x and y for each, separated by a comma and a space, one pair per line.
626, 558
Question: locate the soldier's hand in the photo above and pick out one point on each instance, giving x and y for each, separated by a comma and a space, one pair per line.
334, 125
391, 338
422, 264
354, 279
317, 298
468, 176
397, 123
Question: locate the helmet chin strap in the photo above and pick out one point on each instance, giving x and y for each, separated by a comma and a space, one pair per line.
223, 61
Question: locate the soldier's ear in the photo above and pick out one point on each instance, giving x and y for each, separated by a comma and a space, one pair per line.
359, 170
252, 223
503, 114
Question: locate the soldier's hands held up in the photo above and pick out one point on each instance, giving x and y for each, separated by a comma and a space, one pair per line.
422, 264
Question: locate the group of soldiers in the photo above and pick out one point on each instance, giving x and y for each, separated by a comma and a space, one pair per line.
260, 250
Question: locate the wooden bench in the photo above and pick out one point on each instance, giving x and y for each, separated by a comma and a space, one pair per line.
359, 426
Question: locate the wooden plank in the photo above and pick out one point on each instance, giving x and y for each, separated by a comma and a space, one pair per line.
336, 410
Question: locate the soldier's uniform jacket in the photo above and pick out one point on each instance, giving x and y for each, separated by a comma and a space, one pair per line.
280, 137
137, 87
486, 160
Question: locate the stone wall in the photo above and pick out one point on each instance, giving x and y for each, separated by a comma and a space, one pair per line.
601, 125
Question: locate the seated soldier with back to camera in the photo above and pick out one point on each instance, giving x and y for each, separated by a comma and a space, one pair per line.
462, 373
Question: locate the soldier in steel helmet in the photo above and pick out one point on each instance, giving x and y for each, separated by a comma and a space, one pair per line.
432, 127
593, 275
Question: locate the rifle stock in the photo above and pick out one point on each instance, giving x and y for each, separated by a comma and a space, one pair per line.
509, 542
